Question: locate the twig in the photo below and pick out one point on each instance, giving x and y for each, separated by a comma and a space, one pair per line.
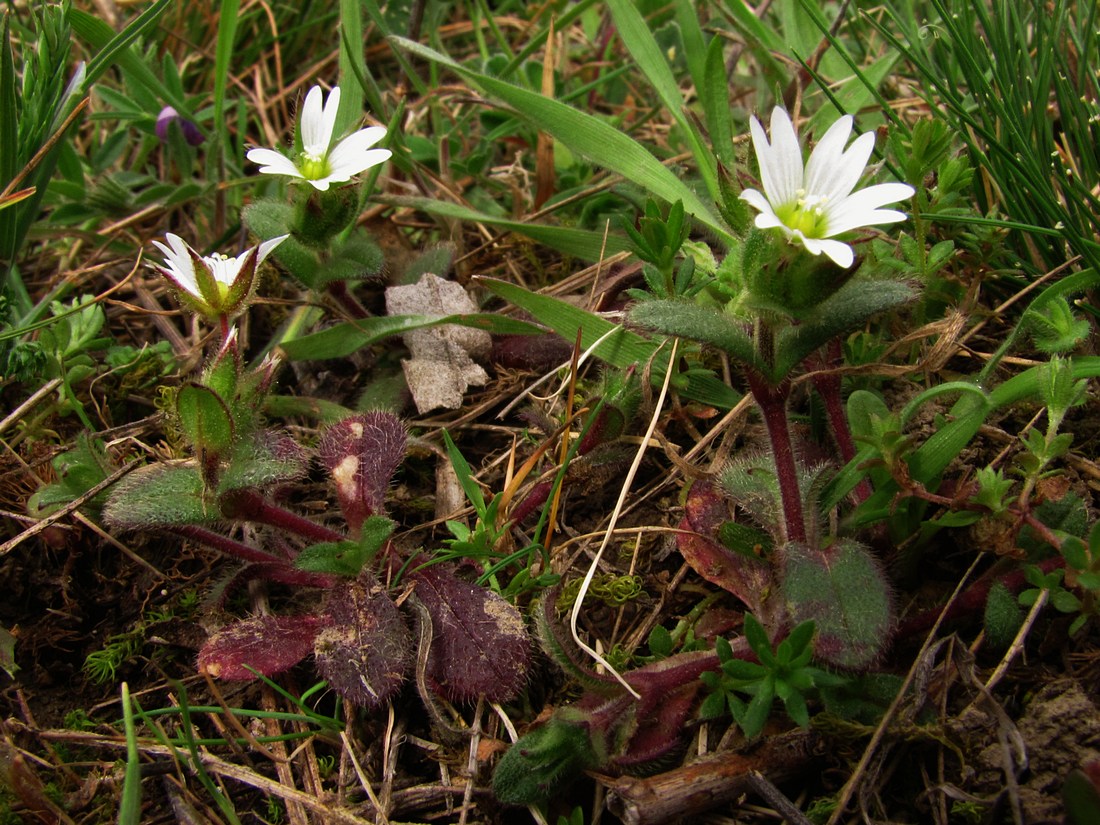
77, 502
718, 779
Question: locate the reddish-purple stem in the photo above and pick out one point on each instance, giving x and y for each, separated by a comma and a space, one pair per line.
340, 292
251, 506
828, 386
271, 567
773, 405
972, 599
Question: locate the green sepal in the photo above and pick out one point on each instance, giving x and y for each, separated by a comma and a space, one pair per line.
325, 214
537, 765
269, 219
205, 419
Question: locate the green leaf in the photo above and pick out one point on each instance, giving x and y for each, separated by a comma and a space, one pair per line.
844, 591
619, 347
590, 246
343, 339
698, 323
160, 495
465, 475
846, 309
643, 47
347, 558
205, 418
588, 136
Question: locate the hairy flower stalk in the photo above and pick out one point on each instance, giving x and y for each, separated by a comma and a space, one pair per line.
322, 160
813, 203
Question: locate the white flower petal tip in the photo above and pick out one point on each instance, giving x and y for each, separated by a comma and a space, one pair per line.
212, 285
323, 160
813, 202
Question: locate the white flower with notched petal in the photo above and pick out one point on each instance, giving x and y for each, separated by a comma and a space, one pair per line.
812, 205
212, 285
320, 162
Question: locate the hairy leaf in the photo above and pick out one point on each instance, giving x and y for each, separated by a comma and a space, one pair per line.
746, 577
844, 591
365, 649
479, 642
160, 495
267, 644
362, 453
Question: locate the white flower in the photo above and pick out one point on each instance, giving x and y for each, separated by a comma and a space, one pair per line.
213, 284
320, 162
811, 205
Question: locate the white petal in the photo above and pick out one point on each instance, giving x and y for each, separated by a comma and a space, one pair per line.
273, 162
862, 208
267, 246
311, 126
320, 184
833, 172
772, 176
768, 220
346, 160
178, 265
841, 254
786, 160
756, 200
332, 108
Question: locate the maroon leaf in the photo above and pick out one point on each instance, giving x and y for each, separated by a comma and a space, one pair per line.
747, 578
365, 650
479, 642
362, 453
267, 644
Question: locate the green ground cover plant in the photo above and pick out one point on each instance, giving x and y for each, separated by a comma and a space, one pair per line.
583, 411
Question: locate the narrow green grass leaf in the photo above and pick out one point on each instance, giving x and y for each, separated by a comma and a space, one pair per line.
583, 243
619, 346
129, 809
695, 42
353, 66
228, 16
643, 47
9, 145
115, 50
588, 136
715, 96
343, 339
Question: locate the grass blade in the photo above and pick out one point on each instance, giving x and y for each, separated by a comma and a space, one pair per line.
129, 810
588, 136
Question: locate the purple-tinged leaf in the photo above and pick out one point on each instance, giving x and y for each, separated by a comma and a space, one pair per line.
844, 591
479, 642
362, 453
267, 644
744, 576
365, 649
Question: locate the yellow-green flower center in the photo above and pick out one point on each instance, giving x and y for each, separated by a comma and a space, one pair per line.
313, 167
805, 214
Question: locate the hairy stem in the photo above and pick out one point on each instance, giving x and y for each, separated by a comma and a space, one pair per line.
773, 405
248, 505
